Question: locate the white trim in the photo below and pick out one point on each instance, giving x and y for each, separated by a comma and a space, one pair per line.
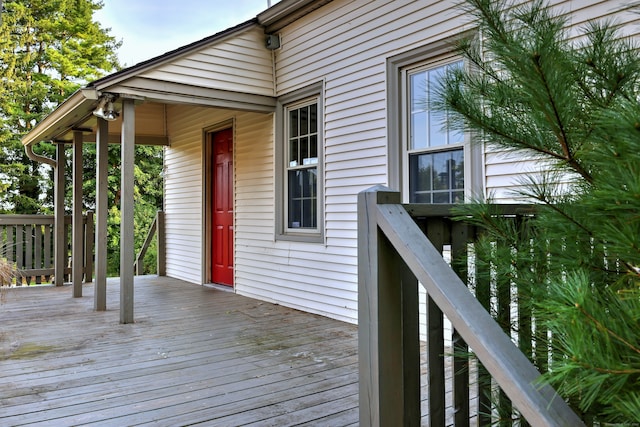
298, 98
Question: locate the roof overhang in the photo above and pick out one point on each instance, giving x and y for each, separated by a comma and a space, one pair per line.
71, 113
75, 113
285, 12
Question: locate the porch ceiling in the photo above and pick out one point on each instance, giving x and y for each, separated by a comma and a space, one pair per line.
75, 114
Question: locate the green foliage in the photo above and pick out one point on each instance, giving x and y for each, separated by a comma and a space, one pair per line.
148, 193
48, 48
570, 102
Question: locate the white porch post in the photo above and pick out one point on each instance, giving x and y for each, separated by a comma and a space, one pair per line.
78, 228
60, 257
127, 253
102, 213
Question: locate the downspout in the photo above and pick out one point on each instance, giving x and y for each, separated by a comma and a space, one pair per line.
38, 158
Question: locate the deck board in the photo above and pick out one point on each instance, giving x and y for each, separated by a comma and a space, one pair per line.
194, 355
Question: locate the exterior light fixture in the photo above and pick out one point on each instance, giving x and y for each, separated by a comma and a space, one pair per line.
105, 109
272, 41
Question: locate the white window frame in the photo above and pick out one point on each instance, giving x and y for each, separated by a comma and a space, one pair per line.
398, 68
297, 99
407, 150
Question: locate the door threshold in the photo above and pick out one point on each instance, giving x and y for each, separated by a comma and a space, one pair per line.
218, 287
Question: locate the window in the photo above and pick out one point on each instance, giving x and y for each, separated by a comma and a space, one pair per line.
302, 166
429, 162
299, 163
435, 151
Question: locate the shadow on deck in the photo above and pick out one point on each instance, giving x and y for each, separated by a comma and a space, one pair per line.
194, 355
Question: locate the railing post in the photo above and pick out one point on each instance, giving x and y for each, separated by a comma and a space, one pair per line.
89, 242
102, 165
60, 253
161, 249
77, 228
387, 339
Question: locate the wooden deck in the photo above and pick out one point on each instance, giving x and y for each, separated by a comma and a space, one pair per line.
195, 355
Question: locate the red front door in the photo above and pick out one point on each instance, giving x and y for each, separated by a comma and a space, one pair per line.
222, 205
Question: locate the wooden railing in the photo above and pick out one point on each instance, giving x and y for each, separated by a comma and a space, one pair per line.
395, 255
156, 229
27, 244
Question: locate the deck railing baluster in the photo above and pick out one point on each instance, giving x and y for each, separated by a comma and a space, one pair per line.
461, 398
26, 242
387, 236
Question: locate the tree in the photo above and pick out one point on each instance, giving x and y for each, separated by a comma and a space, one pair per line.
572, 104
148, 194
48, 49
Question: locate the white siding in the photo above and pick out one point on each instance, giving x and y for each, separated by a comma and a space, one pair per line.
240, 63
345, 44
505, 171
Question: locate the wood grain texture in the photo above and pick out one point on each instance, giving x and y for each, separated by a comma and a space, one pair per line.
193, 355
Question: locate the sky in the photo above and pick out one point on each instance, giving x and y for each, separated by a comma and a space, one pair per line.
148, 28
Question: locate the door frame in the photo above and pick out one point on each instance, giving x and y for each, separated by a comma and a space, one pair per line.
207, 205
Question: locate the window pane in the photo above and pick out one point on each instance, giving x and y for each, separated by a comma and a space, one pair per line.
293, 123
302, 198
435, 77
419, 91
304, 151
313, 148
313, 119
304, 121
418, 131
457, 161
420, 182
455, 136
294, 155
437, 128
441, 197
441, 170
424, 87
434, 176
457, 197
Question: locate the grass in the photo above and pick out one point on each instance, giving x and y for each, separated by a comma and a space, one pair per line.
6, 271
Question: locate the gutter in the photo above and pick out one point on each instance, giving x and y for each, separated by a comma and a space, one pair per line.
50, 127
38, 158
285, 12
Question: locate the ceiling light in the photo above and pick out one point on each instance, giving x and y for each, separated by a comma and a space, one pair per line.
105, 109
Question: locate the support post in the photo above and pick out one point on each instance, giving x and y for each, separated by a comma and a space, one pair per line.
127, 253
77, 252
60, 256
388, 341
89, 241
102, 213
162, 254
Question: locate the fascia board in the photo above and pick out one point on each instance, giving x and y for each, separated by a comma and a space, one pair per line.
72, 111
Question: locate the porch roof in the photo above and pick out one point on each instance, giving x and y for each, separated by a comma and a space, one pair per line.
150, 94
150, 90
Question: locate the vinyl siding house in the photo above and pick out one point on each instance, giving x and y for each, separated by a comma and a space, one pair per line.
271, 129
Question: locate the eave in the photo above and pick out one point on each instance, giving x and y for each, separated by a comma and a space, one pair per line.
285, 12
71, 113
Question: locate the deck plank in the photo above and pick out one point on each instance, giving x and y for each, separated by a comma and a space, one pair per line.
194, 355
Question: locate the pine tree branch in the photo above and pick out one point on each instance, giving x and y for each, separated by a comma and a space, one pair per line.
629, 371
561, 133
603, 328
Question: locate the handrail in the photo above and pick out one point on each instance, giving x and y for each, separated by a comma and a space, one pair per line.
393, 254
26, 241
156, 225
